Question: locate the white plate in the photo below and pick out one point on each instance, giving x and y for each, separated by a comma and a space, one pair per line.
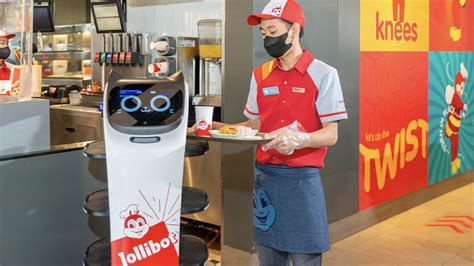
216, 134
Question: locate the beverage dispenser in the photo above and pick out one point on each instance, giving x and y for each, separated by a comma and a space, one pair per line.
177, 53
174, 54
210, 53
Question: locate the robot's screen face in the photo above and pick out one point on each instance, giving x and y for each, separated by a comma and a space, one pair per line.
145, 105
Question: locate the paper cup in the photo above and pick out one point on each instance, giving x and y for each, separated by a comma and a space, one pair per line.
158, 68
203, 120
160, 46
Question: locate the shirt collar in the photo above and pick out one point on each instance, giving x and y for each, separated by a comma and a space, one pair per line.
4, 65
303, 63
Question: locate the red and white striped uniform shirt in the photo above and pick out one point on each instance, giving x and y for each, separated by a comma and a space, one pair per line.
310, 93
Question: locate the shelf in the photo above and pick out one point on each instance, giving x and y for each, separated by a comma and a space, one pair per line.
97, 204
98, 253
62, 52
63, 55
192, 251
66, 77
96, 150
194, 200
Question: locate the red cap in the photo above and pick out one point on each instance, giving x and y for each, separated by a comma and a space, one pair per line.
3, 34
288, 10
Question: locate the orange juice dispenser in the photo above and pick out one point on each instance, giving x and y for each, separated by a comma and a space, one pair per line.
210, 53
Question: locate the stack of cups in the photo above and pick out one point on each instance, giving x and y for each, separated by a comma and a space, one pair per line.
160, 46
203, 120
158, 68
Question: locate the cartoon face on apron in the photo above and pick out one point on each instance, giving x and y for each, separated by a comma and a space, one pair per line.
263, 212
289, 209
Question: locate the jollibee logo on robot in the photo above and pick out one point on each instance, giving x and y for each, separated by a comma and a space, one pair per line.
144, 244
135, 224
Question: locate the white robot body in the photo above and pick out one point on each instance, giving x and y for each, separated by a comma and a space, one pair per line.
145, 169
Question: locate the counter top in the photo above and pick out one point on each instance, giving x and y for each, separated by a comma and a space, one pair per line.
14, 100
77, 108
24, 126
52, 150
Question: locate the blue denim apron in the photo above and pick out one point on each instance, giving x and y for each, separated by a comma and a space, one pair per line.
289, 209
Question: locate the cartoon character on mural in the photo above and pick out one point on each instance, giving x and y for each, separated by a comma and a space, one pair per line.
455, 113
398, 7
455, 31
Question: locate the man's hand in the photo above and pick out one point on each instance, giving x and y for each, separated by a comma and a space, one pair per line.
287, 139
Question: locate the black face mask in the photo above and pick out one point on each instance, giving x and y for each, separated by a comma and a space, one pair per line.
276, 46
4, 52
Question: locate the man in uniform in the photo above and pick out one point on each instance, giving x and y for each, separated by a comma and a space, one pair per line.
4, 65
298, 101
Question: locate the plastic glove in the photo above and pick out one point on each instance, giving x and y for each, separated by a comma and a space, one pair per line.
287, 139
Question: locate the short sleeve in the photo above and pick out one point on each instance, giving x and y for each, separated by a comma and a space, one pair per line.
330, 101
251, 108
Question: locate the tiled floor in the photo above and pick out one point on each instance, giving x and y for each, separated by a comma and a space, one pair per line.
406, 239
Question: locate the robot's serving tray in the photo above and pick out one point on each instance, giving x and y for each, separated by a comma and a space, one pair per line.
192, 136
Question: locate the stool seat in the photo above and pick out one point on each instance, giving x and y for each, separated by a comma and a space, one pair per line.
194, 201
97, 203
96, 149
192, 250
98, 253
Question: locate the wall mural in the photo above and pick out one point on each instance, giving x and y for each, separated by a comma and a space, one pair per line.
393, 126
415, 121
451, 114
451, 26
393, 150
